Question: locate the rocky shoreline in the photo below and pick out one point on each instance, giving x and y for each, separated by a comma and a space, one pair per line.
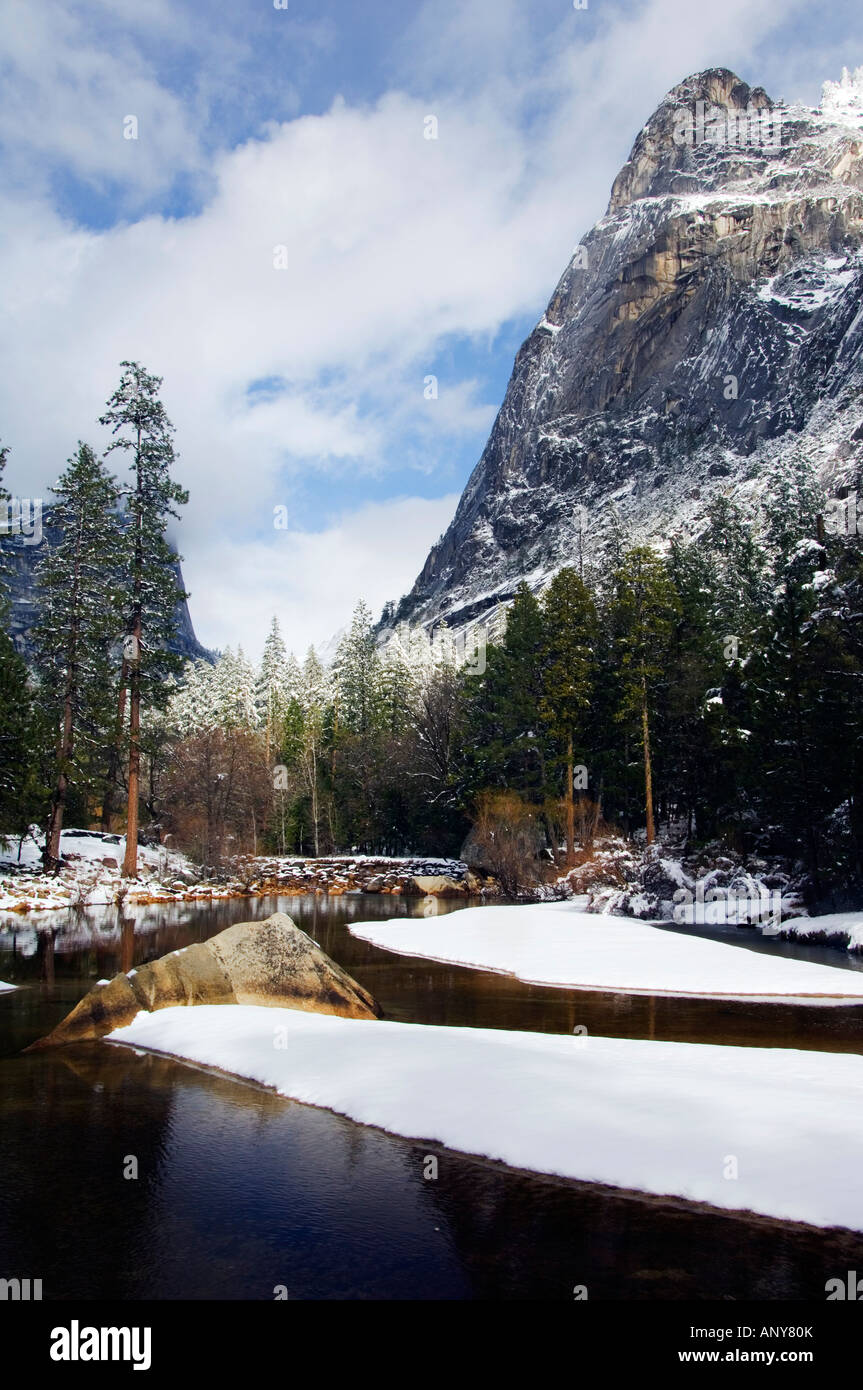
30, 891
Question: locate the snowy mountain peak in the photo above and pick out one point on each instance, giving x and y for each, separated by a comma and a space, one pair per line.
705, 329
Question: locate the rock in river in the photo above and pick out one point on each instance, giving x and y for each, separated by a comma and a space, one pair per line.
271, 963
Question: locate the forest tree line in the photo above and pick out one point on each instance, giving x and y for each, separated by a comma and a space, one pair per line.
712, 689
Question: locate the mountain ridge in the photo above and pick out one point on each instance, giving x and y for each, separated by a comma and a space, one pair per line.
705, 328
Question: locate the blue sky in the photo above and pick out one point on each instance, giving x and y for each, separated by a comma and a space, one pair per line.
303, 128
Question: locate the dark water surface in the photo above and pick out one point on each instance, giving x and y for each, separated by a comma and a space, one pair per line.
240, 1190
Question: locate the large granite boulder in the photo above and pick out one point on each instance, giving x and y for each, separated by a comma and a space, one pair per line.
271, 963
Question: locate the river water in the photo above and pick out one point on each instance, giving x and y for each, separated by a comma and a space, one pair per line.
240, 1192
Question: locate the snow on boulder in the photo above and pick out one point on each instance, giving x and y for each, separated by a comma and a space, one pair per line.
270, 963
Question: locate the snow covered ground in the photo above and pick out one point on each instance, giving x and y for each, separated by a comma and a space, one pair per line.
774, 1131
90, 874
92, 845
557, 944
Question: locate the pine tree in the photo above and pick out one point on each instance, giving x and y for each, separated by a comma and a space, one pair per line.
568, 664
23, 734
804, 679
314, 702
271, 692
141, 427
80, 617
643, 610
193, 704
399, 686
357, 675
234, 686
498, 737
4, 497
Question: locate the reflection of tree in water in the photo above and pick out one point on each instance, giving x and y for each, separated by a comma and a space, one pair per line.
70, 1119
127, 944
45, 956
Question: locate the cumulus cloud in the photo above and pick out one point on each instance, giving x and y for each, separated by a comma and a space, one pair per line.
333, 259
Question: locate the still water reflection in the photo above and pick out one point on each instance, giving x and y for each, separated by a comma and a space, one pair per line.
240, 1190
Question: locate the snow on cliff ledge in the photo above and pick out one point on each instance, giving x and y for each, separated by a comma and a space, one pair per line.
843, 100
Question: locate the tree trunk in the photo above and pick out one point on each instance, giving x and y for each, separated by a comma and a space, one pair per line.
130, 861
51, 854
648, 771
114, 755
58, 801
570, 803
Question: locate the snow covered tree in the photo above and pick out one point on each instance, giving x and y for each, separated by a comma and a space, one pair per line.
315, 694
272, 688
79, 620
4, 497
399, 685
234, 682
193, 703
357, 675
141, 428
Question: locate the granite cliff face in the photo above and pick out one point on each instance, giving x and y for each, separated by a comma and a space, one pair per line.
709, 326
20, 558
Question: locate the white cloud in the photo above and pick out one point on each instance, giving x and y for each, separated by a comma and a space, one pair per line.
311, 580
396, 245
66, 93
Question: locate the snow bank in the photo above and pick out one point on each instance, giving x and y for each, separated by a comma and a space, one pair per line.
90, 873
661, 1117
845, 928
552, 944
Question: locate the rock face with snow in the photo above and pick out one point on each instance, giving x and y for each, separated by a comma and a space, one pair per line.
708, 327
270, 963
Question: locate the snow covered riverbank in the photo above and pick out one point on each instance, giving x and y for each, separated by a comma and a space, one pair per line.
773, 1131
556, 944
834, 928
91, 876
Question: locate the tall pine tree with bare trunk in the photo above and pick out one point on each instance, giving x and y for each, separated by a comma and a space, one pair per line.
141, 428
